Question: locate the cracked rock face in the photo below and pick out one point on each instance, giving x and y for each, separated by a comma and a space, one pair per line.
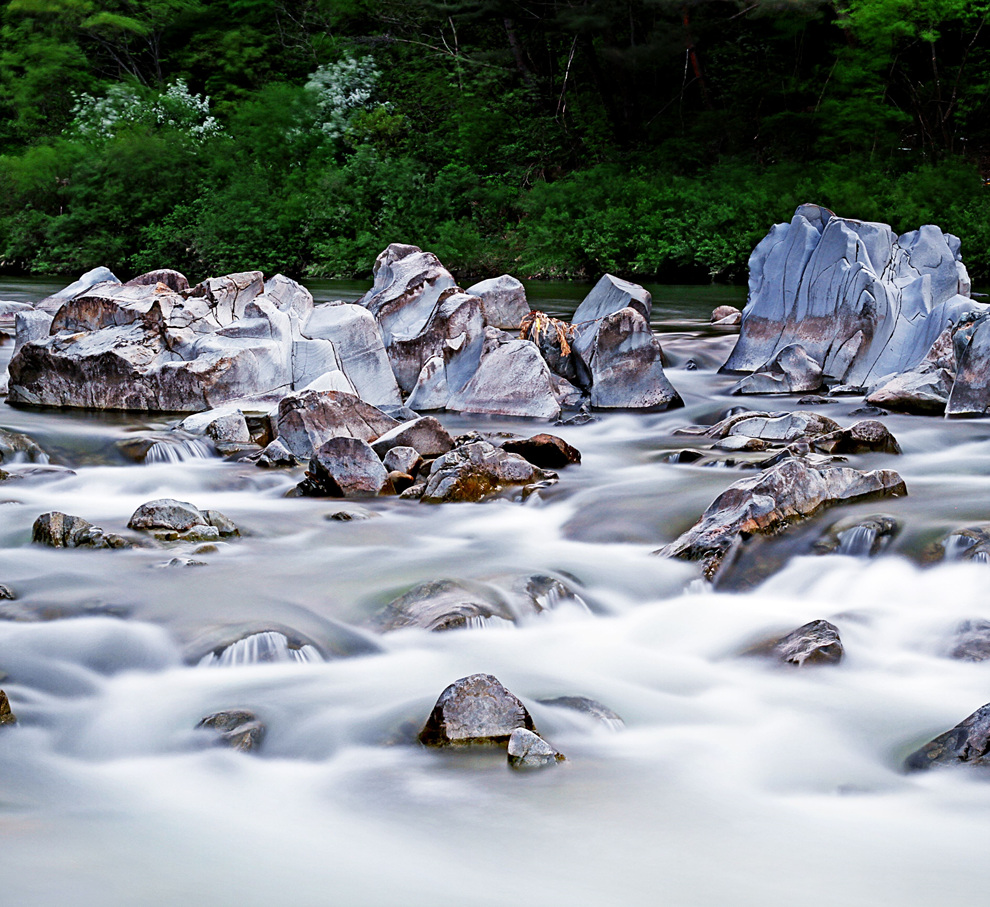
861, 301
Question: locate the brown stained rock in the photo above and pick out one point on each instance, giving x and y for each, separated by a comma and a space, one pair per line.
475, 710
790, 371
473, 471
345, 467
60, 530
544, 450
726, 314
307, 420
968, 743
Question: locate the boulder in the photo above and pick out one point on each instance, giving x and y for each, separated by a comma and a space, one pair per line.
768, 502
476, 470
475, 710
166, 513
790, 371
970, 395
543, 450
59, 530
923, 390
345, 467
308, 419
608, 297
512, 380
402, 459
503, 300
554, 338
968, 743
276, 456
971, 641
6, 715
861, 301
424, 434
528, 750
174, 280
865, 436
815, 643
773, 427
230, 427
30, 326
237, 729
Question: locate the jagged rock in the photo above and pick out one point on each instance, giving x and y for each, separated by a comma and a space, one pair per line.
512, 380
474, 471
402, 459
968, 743
790, 371
766, 503
543, 450
866, 436
15, 447
858, 536
230, 427
276, 456
307, 420
861, 301
503, 300
475, 710
6, 715
444, 605
358, 343
815, 643
591, 707
345, 467
424, 434
87, 281
528, 750
726, 314
59, 530
971, 641
237, 729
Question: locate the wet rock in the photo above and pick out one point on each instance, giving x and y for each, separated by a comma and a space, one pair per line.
971, 543
475, 710
345, 467
503, 300
7, 593
968, 743
511, 380
307, 420
167, 513
815, 643
726, 314
923, 390
223, 524
230, 427
181, 562
6, 715
424, 434
971, 641
59, 530
237, 729
402, 459
475, 471
858, 536
812, 400
264, 647
276, 456
767, 503
590, 707
790, 371
18, 448
543, 450
866, 436
444, 605
861, 301
527, 750
413, 492
347, 516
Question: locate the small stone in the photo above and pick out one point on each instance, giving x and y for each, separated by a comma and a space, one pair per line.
345, 516
7, 593
529, 750
726, 314
400, 481
425, 435
182, 562
276, 456
475, 710
237, 729
6, 715
414, 492
224, 525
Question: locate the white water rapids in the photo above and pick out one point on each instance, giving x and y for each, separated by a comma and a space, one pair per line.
734, 782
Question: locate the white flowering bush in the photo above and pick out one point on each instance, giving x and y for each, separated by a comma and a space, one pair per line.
124, 106
343, 90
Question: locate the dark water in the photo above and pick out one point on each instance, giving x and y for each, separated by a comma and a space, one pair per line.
733, 782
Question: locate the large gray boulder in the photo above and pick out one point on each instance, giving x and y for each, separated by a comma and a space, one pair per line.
425, 435
307, 420
60, 530
862, 301
503, 300
475, 710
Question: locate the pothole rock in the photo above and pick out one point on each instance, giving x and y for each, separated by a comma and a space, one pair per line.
307, 420
815, 643
767, 503
968, 743
590, 707
345, 467
60, 530
237, 729
527, 750
171, 520
858, 536
475, 710
425, 435
503, 300
543, 450
476, 470
18, 448
865, 436
790, 371
971, 641
6, 715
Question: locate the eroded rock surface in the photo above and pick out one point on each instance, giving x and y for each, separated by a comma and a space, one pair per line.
815, 643
307, 420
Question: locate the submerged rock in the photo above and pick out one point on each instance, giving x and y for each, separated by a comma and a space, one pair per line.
170, 520
858, 536
543, 450
968, 743
590, 707
18, 448
476, 470
264, 647
528, 750
971, 641
6, 715
815, 643
237, 729
865, 436
7, 593
444, 605
59, 530
475, 710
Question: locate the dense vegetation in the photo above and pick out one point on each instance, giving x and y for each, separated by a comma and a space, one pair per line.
650, 138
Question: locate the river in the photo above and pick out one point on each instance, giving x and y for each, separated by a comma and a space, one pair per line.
734, 781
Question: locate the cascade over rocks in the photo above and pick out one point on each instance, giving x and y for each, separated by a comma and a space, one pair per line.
861, 301
475, 710
968, 743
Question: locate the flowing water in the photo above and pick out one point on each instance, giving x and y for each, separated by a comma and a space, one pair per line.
733, 782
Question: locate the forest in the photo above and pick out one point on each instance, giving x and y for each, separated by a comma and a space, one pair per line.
654, 139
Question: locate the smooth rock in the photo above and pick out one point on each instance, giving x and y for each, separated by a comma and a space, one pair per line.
726, 314
968, 743
474, 471
503, 300
237, 729
528, 750
543, 450
59, 530
345, 467
923, 390
781, 427
790, 371
608, 297
858, 536
176, 281
475, 710
970, 395
87, 281
424, 434
307, 420
167, 513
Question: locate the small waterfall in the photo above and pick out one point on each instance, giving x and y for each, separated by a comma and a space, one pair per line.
268, 647
859, 541
179, 450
